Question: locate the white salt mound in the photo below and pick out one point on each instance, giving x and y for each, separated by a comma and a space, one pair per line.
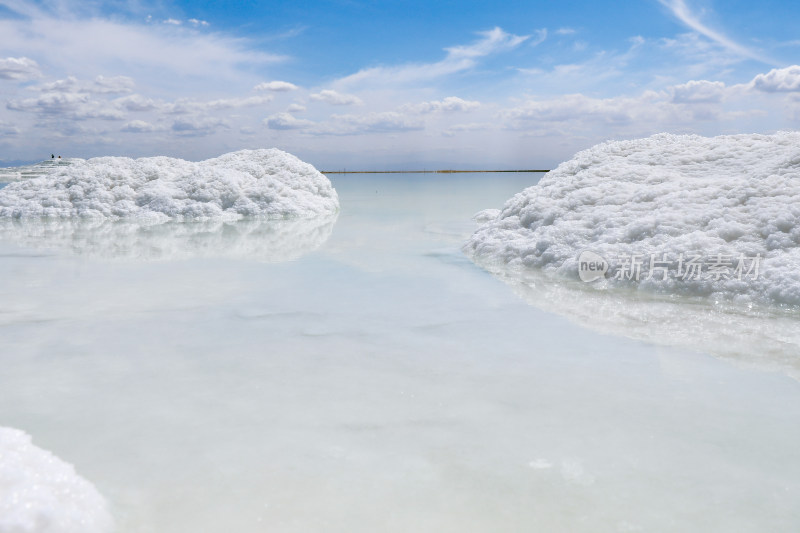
249, 183
719, 200
40, 493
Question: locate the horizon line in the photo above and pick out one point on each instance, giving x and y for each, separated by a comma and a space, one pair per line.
424, 171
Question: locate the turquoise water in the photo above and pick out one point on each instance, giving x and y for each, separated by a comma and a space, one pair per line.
361, 374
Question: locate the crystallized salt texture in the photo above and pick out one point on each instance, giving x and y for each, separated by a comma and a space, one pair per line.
40, 493
249, 183
649, 206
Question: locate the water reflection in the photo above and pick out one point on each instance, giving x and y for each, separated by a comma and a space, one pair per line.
745, 335
10, 174
263, 240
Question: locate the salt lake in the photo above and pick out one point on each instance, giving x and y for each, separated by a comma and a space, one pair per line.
360, 373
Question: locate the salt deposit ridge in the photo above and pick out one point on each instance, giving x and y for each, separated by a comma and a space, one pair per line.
647, 207
40, 493
265, 183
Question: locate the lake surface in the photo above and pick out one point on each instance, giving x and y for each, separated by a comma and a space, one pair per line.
361, 374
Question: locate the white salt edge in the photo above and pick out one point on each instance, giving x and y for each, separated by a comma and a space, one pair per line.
265, 183
736, 195
40, 493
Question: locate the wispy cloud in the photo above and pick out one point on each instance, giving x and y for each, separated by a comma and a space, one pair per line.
683, 13
458, 58
55, 39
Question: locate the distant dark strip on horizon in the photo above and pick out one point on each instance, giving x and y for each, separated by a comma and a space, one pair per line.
421, 171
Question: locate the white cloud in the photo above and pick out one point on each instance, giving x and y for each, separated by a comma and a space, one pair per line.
581, 108
136, 102
565, 31
232, 103
197, 127
67, 105
276, 86
450, 104
100, 85
84, 44
698, 92
114, 85
778, 80
184, 106
286, 121
295, 108
682, 12
375, 122
19, 68
334, 98
458, 58
541, 35
139, 126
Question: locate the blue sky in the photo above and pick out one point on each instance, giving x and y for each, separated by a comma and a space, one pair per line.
389, 84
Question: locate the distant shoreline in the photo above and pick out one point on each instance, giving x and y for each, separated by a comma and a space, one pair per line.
422, 171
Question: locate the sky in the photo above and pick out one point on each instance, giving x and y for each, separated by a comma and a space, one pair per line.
359, 85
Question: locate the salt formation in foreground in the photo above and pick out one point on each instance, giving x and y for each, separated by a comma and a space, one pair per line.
249, 183
730, 204
40, 493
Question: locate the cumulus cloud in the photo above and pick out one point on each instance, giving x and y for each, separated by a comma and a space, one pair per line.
100, 85
19, 68
74, 106
136, 102
701, 91
295, 108
184, 106
334, 98
458, 58
276, 86
778, 80
286, 121
450, 104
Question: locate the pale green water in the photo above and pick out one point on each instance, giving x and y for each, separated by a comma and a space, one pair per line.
361, 374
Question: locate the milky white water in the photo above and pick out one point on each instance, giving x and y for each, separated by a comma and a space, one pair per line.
367, 376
